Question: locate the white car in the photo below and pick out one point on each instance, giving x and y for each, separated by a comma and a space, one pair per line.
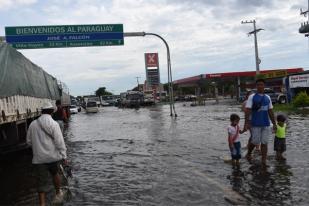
73, 109
104, 103
92, 107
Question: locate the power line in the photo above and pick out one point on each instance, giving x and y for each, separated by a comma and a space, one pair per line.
304, 27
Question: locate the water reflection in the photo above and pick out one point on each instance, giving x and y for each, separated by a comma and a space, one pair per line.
264, 185
145, 157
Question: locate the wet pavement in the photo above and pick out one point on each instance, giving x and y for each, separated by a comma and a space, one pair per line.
145, 157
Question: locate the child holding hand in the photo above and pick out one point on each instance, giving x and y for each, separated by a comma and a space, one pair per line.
279, 142
234, 139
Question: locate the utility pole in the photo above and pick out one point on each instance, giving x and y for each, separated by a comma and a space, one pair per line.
255, 31
137, 82
304, 28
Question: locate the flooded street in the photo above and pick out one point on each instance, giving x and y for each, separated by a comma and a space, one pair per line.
145, 157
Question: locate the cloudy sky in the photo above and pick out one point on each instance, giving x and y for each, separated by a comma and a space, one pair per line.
205, 36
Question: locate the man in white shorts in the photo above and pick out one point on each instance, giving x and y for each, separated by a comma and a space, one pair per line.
259, 106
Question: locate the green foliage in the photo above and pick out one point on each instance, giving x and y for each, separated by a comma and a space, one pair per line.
301, 100
284, 108
102, 91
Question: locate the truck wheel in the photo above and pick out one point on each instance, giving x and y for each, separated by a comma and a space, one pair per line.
282, 100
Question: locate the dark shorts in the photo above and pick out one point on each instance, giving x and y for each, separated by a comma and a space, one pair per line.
42, 173
236, 151
279, 144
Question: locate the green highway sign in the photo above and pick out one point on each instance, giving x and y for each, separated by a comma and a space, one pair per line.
36, 37
41, 45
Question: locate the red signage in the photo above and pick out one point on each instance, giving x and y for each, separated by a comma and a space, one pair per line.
152, 59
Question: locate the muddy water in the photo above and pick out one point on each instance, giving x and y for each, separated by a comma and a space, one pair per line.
144, 157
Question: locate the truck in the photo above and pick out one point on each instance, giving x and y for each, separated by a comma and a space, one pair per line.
149, 98
131, 99
92, 98
24, 88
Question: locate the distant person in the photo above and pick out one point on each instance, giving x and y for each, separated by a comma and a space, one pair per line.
279, 142
234, 139
243, 108
60, 115
259, 106
45, 137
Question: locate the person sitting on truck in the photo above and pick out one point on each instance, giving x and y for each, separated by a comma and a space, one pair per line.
60, 115
45, 138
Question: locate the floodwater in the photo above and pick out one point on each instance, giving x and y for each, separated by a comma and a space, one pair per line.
145, 157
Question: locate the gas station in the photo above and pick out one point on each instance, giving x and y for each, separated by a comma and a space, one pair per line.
233, 83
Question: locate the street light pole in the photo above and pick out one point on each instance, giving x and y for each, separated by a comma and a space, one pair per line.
255, 31
169, 67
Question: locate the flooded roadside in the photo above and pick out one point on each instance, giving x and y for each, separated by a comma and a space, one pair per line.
144, 157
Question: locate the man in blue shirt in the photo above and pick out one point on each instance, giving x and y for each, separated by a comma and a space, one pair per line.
259, 106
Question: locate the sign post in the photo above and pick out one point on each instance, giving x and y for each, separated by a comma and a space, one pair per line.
38, 37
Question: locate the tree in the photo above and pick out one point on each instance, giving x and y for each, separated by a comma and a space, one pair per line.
102, 92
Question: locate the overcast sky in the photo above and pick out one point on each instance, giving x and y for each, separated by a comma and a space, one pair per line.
205, 36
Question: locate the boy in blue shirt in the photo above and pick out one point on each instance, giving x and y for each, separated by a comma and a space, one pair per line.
259, 106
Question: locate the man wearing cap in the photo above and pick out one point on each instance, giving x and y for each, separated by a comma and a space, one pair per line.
45, 137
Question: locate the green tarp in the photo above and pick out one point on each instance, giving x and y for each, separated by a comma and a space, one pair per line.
19, 76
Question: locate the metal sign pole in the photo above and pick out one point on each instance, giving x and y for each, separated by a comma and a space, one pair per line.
169, 68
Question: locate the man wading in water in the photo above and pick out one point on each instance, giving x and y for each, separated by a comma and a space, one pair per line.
45, 137
259, 106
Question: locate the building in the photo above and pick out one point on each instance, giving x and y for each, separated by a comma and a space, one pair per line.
232, 83
296, 83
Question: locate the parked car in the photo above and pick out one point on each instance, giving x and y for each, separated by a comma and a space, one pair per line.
190, 98
276, 97
105, 103
179, 98
92, 107
73, 109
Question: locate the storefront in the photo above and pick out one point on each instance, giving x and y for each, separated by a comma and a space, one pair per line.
296, 83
